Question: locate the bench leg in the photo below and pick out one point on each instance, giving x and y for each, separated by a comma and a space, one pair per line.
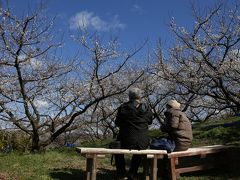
172, 169
154, 168
91, 167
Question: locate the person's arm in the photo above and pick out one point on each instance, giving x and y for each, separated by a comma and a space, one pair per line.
164, 127
174, 121
118, 117
164, 123
150, 116
171, 122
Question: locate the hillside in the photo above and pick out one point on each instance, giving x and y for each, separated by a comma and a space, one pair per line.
66, 164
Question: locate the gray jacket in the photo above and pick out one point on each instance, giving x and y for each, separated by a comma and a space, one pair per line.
179, 128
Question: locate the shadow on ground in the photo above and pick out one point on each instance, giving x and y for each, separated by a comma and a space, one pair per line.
68, 173
211, 175
106, 174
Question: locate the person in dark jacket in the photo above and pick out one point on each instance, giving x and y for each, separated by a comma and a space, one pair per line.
178, 126
133, 118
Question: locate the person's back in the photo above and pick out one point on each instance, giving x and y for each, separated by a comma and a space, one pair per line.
179, 128
133, 118
133, 123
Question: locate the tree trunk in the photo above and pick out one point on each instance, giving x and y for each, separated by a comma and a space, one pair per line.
35, 143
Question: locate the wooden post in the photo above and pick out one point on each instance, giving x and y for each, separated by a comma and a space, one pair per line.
154, 167
91, 167
172, 168
94, 167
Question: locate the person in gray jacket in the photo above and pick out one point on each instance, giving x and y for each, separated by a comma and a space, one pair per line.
178, 126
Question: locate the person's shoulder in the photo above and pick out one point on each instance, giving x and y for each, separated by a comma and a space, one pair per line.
124, 105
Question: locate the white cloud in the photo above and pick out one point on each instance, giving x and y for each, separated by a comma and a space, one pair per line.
87, 19
136, 8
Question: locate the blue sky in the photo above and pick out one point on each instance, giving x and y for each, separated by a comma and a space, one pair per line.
131, 20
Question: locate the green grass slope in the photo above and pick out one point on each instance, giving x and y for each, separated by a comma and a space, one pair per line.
65, 163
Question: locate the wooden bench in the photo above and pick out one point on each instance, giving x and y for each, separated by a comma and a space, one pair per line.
92, 154
218, 153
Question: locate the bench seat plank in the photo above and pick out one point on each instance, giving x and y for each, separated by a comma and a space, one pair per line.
199, 151
84, 150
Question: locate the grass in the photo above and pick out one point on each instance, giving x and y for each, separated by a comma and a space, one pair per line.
61, 164
66, 164
225, 131
40, 166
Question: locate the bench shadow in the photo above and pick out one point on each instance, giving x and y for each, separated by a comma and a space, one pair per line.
69, 173
213, 174
107, 174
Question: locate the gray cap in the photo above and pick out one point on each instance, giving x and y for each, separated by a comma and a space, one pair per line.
135, 93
